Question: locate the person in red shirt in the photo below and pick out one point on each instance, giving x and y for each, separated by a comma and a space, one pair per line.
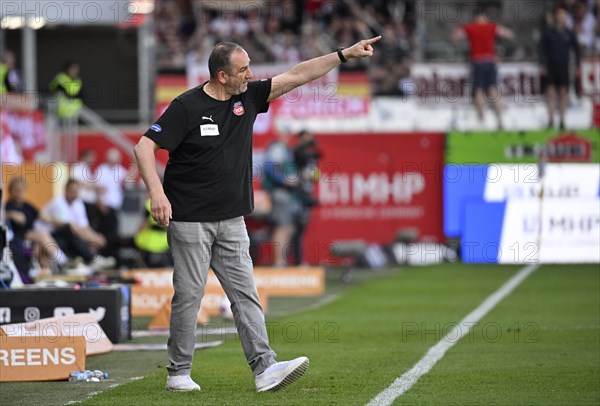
482, 35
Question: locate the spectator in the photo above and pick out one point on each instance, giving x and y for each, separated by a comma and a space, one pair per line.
583, 23
65, 218
482, 34
9, 274
286, 51
10, 78
555, 47
169, 16
275, 32
290, 17
110, 175
229, 25
27, 240
10, 150
306, 156
84, 173
280, 180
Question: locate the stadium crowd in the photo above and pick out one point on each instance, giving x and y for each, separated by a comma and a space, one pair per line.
288, 31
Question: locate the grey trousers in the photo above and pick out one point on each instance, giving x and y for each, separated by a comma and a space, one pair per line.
224, 246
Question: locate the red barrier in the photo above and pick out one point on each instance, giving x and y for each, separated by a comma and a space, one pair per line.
372, 185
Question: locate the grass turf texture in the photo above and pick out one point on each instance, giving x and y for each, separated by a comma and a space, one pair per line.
548, 351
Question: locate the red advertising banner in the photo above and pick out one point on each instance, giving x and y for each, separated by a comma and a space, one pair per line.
373, 185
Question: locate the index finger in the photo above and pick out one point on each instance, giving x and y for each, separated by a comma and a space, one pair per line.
373, 40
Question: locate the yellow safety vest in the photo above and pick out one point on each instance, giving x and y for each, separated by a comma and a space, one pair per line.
3, 76
69, 98
152, 238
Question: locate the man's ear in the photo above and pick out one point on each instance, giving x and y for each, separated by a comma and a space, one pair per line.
222, 77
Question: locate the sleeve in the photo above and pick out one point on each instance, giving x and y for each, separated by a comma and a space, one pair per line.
53, 84
34, 211
466, 28
79, 214
171, 128
261, 91
53, 210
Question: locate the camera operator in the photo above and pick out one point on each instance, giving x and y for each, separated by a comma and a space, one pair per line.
306, 156
281, 180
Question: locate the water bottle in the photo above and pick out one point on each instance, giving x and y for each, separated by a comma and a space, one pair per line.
87, 376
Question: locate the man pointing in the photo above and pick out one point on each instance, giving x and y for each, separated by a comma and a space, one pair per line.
206, 192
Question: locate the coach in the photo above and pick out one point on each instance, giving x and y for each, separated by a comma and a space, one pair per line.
206, 192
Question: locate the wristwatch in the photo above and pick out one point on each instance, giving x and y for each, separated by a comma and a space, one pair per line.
341, 55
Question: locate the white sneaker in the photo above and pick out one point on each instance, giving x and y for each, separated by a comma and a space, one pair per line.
281, 374
181, 383
78, 269
100, 263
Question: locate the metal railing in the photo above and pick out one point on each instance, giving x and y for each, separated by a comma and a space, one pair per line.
66, 133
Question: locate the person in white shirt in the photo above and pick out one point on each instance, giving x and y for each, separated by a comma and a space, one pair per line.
583, 23
84, 173
66, 219
110, 176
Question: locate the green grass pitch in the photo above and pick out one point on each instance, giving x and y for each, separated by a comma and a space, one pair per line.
539, 346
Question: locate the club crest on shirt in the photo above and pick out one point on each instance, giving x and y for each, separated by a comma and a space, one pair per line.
238, 108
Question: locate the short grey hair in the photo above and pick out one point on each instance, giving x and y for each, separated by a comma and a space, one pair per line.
220, 58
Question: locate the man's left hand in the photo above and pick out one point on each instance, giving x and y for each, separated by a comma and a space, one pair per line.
361, 49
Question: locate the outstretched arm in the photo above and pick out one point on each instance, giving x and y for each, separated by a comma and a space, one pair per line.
505, 33
458, 34
312, 69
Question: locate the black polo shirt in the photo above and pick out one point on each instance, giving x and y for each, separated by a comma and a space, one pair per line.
31, 214
209, 172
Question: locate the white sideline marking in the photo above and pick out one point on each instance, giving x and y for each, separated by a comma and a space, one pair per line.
436, 353
114, 385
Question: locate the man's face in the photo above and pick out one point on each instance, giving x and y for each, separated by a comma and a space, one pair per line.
240, 73
89, 157
580, 10
72, 192
73, 70
17, 192
9, 60
561, 17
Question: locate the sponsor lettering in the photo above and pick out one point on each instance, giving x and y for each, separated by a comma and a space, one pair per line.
23, 357
5, 315
374, 188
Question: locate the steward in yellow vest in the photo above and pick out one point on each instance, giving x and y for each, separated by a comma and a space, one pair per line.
3, 78
67, 85
151, 239
10, 80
